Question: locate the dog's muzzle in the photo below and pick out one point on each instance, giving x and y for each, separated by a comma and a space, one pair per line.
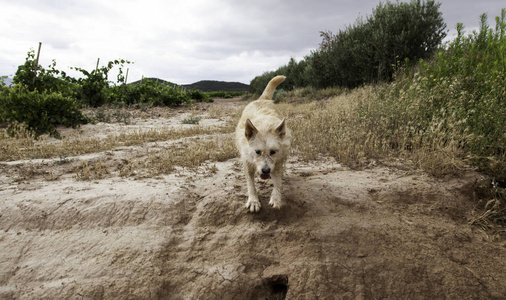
266, 173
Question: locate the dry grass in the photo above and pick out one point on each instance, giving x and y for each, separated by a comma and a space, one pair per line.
190, 154
355, 129
152, 152
24, 147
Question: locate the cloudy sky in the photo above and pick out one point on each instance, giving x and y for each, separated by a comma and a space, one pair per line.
185, 41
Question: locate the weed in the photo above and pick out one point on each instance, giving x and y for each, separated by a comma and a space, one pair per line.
63, 159
101, 115
191, 119
93, 171
123, 116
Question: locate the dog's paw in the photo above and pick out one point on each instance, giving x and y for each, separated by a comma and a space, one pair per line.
275, 202
253, 205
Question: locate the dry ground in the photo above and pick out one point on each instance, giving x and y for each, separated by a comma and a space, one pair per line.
103, 226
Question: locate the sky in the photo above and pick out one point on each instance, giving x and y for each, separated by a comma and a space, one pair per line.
184, 41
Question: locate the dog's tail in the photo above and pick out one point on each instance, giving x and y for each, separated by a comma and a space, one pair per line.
271, 87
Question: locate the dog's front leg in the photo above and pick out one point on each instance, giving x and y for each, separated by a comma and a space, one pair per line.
252, 204
277, 180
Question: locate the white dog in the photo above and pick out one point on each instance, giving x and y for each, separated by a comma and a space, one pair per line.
263, 141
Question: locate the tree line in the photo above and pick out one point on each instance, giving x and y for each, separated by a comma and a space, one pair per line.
370, 50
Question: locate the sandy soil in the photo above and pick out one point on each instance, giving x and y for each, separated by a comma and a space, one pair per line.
381, 232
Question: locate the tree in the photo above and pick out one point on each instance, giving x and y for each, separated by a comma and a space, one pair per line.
403, 31
370, 50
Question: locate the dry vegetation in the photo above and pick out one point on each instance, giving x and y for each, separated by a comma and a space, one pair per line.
355, 130
349, 127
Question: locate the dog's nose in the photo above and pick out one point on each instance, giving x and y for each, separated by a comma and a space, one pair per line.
266, 171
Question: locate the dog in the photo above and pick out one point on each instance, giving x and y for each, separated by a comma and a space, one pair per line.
263, 141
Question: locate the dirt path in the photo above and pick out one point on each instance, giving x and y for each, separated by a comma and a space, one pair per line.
343, 234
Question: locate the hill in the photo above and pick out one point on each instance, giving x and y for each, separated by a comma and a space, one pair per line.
216, 86
154, 79
208, 85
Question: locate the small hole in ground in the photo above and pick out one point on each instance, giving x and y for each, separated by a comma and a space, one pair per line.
277, 286
272, 288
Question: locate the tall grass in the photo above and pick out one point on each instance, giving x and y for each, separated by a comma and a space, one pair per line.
464, 88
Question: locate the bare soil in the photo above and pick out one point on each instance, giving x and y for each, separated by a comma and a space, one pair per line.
383, 232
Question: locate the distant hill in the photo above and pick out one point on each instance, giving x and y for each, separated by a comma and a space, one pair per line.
207, 85
154, 79
216, 86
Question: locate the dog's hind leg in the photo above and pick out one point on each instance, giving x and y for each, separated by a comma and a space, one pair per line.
252, 204
277, 180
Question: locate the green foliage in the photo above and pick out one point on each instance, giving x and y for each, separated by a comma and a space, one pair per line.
370, 50
462, 90
155, 93
39, 112
199, 96
43, 98
44, 80
224, 94
94, 88
297, 75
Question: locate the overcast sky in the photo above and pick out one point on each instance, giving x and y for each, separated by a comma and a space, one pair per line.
185, 41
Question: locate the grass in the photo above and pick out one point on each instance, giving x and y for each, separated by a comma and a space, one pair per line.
161, 151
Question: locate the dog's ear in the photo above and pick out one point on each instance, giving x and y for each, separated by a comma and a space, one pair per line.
250, 130
281, 130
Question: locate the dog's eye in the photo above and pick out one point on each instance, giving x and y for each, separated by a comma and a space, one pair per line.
272, 152
258, 152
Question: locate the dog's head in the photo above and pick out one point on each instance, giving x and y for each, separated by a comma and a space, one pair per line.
267, 147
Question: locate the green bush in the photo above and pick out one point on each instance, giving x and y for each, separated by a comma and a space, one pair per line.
40, 112
154, 93
94, 88
199, 96
225, 94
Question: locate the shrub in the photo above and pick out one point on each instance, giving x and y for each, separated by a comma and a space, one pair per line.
154, 93
199, 96
460, 95
371, 50
225, 94
40, 112
94, 88
44, 80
